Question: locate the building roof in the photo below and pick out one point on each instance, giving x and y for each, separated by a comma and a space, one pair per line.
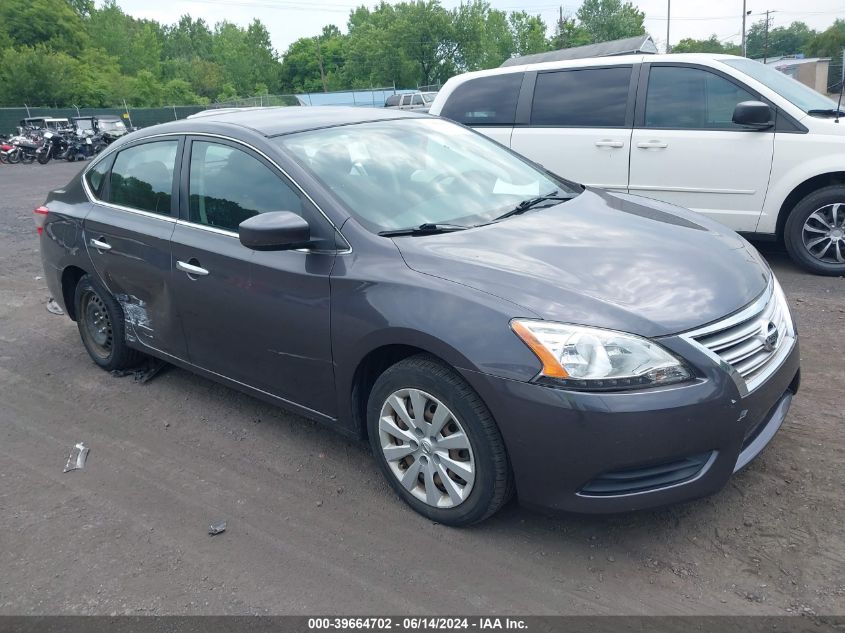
627, 46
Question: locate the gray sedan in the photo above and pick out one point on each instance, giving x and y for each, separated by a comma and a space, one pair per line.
490, 328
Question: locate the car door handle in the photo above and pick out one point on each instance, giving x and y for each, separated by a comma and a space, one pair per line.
192, 270
99, 244
652, 144
606, 142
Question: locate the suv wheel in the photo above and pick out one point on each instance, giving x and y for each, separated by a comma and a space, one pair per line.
815, 232
437, 443
101, 324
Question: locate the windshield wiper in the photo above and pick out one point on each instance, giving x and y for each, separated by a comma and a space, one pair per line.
826, 112
526, 205
429, 228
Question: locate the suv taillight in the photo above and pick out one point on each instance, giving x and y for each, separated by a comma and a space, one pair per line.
40, 217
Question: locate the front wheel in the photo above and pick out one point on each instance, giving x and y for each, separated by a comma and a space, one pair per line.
437, 443
101, 324
814, 233
44, 157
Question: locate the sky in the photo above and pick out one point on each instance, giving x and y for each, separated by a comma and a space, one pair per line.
288, 20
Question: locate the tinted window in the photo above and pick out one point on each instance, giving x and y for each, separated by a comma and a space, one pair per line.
142, 176
593, 97
485, 101
392, 100
228, 185
96, 175
417, 100
691, 98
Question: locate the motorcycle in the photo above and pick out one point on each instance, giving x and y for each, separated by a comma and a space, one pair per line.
79, 149
54, 146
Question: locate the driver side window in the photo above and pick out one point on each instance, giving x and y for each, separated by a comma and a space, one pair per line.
227, 185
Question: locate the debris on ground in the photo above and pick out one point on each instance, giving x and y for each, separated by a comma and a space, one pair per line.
77, 457
217, 528
53, 307
145, 372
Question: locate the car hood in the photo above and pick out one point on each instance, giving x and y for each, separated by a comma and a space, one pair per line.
605, 259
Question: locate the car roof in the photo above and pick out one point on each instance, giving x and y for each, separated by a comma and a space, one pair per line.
275, 121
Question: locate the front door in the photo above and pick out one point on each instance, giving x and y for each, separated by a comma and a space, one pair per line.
260, 318
580, 125
687, 151
127, 234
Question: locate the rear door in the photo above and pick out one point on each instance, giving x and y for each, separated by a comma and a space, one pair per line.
687, 151
127, 234
487, 104
580, 124
260, 318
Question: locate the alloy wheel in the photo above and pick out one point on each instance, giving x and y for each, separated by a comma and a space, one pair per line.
824, 233
426, 448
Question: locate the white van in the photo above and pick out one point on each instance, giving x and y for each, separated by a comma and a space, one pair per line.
722, 135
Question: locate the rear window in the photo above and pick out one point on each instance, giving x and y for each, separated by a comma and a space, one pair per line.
591, 97
392, 100
485, 101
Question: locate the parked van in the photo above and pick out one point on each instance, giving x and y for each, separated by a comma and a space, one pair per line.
723, 135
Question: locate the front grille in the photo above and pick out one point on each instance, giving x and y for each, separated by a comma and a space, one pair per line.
646, 478
754, 340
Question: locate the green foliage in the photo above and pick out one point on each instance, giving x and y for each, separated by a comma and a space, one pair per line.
66, 52
828, 43
783, 40
605, 20
710, 45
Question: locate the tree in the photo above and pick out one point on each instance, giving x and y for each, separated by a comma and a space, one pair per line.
710, 45
52, 23
789, 40
606, 20
570, 34
529, 33
828, 43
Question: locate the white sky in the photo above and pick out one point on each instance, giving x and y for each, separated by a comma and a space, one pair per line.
288, 20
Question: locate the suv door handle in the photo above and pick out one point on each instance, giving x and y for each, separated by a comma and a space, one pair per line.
652, 144
606, 142
192, 270
99, 244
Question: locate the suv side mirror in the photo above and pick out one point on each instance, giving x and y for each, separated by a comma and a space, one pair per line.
753, 114
275, 231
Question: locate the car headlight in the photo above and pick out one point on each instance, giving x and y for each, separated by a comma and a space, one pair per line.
586, 358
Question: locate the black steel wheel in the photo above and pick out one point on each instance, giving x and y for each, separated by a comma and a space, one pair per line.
101, 324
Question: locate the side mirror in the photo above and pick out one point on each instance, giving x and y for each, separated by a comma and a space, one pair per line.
274, 231
753, 114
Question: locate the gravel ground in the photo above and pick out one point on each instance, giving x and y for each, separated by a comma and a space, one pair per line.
312, 528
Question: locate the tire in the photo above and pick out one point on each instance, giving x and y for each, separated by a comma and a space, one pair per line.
44, 157
27, 158
432, 384
101, 324
14, 157
800, 230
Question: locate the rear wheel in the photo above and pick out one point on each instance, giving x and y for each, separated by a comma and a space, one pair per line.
436, 442
101, 324
815, 232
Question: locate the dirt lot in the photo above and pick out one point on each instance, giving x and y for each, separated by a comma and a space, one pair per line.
312, 528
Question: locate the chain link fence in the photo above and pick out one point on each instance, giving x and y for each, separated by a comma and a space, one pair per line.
10, 118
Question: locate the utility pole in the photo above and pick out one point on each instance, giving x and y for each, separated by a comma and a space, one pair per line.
320, 62
744, 13
668, 20
766, 40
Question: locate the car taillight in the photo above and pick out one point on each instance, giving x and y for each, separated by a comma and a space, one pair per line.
40, 217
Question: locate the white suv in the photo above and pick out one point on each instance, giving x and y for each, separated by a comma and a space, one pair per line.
722, 135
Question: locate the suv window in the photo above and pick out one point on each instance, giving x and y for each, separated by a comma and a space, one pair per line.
228, 185
392, 100
691, 98
485, 101
591, 97
417, 100
142, 176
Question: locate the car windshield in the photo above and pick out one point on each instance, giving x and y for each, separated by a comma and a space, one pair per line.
111, 125
84, 124
409, 172
793, 91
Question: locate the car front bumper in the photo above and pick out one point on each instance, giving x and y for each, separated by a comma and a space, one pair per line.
617, 452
